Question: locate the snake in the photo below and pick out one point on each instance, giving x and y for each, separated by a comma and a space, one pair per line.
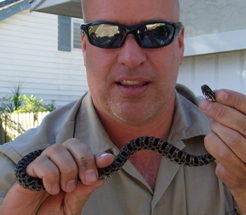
164, 148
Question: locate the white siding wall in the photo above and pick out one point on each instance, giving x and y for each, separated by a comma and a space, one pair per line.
224, 70
29, 54
216, 27
212, 16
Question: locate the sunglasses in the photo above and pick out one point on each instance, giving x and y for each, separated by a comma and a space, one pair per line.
148, 35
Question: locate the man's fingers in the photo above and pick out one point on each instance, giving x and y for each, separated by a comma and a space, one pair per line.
61, 165
222, 114
233, 139
233, 99
104, 160
45, 169
224, 155
229, 103
57, 168
87, 169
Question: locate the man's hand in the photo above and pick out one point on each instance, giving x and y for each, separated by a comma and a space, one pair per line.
59, 166
227, 140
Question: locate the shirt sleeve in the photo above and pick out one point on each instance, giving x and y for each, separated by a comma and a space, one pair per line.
7, 165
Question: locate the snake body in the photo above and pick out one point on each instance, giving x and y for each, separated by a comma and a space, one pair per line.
145, 142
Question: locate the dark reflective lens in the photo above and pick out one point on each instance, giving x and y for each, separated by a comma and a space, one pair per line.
105, 35
155, 35
148, 35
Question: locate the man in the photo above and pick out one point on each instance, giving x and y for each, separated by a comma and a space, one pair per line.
132, 93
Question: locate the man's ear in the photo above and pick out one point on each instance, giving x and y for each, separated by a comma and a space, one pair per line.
83, 43
181, 46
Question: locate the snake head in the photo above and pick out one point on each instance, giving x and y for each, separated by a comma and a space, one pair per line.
208, 93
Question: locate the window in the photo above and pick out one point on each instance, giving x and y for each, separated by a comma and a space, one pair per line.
68, 33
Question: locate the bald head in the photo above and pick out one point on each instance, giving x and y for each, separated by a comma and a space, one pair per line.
88, 9
177, 2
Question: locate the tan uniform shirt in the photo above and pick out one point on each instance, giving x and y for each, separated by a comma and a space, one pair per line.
179, 190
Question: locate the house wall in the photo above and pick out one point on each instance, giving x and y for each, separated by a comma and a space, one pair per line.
223, 70
29, 55
212, 16
215, 44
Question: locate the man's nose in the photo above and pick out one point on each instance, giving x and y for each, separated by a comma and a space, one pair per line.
131, 54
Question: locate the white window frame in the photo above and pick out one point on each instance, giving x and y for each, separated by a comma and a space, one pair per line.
74, 20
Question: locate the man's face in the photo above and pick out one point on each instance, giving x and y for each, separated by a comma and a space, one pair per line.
130, 84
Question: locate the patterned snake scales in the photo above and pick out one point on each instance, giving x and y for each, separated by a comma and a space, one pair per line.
151, 143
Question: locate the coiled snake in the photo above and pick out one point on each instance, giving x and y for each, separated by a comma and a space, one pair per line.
151, 143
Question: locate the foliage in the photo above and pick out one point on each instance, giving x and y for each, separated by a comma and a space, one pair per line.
34, 105
13, 102
17, 103
16, 98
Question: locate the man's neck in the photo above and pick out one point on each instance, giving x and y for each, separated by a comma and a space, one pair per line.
146, 162
121, 133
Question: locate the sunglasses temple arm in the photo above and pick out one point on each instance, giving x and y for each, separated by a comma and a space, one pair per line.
178, 29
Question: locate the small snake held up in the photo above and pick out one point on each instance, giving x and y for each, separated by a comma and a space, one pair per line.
150, 143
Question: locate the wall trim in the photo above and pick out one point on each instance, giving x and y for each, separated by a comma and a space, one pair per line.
14, 9
215, 43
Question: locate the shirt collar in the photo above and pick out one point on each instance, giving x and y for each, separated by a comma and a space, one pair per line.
188, 120
90, 130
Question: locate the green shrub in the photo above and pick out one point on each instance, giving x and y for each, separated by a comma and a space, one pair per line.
17, 103
31, 104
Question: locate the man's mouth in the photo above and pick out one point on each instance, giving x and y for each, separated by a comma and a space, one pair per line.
130, 83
